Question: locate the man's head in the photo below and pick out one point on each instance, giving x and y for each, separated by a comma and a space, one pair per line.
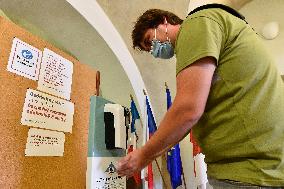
151, 19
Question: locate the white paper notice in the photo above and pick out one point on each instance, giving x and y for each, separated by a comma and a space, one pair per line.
46, 111
24, 59
55, 75
102, 173
44, 143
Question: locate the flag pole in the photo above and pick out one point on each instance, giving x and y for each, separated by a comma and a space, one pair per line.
144, 91
161, 173
183, 177
144, 171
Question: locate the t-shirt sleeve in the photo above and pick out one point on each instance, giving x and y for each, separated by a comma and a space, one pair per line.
199, 37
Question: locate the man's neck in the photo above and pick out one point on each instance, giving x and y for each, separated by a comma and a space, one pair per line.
174, 31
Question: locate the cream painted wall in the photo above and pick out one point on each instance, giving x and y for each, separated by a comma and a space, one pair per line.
260, 12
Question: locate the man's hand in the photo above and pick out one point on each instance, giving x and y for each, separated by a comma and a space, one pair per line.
132, 163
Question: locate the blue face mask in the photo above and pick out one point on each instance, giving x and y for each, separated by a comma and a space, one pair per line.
164, 50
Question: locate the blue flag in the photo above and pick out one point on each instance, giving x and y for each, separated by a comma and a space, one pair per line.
134, 114
169, 98
152, 128
151, 121
173, 158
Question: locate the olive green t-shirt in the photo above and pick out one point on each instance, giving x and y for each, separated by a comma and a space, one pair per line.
242, 129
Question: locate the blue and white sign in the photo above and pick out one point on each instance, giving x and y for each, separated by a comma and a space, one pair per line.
27, 54
24, 59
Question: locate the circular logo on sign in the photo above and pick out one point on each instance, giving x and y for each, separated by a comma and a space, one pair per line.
27, 54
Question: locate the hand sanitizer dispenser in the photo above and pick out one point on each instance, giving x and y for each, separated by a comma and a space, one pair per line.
115, 129
106, 144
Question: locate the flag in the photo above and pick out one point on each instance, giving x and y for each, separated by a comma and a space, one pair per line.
196, 149
169, 98
152, 127
200, 167
174, 165
151, 121
134, 116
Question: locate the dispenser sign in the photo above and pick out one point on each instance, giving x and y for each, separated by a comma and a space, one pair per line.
101, 173
24, 59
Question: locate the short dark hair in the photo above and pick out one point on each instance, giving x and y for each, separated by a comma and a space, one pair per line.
152, 18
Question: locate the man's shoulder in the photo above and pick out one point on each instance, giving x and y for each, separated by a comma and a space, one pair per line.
215, 14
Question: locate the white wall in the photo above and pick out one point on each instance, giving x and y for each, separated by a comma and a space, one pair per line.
260, 12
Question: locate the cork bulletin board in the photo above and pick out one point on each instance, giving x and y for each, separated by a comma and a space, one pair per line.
16, 170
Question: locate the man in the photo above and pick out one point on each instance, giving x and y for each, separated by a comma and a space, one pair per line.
228, 91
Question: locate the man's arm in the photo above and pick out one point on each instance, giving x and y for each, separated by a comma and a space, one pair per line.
193, 86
